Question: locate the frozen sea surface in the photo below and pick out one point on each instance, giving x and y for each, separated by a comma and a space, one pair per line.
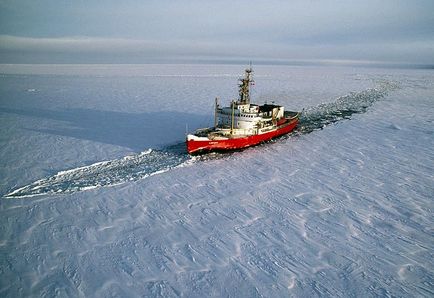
341, 207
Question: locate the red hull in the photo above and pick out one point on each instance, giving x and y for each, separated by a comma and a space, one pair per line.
194, 146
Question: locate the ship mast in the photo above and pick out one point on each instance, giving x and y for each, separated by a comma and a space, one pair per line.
216, 111
244, 86
232, 116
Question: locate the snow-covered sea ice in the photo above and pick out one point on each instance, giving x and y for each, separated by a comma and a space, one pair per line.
341, 207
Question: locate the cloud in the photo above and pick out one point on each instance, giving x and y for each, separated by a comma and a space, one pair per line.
124, 47
74, 44
121, 50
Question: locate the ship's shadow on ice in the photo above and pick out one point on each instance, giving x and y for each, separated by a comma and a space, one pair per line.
136, 131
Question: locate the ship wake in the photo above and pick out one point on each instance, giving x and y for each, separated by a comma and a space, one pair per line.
106, 173
152, 162
318, 117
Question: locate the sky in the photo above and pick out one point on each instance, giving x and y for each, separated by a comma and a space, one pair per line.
60, 31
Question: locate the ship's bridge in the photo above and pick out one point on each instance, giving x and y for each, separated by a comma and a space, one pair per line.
247, 108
